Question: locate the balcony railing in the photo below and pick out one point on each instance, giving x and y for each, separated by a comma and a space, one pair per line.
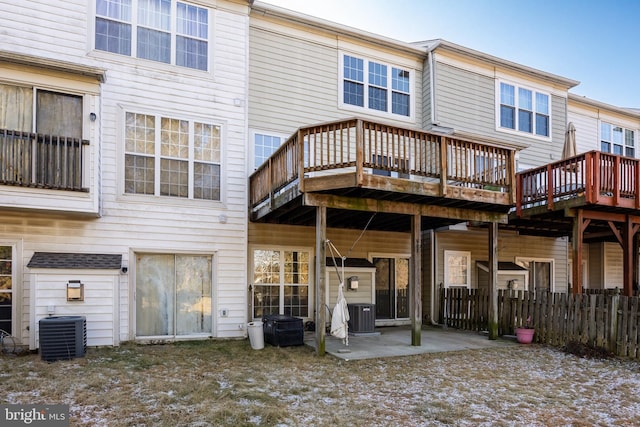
41, 161
365, 147
601, 178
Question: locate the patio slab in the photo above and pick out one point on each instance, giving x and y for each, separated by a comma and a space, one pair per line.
396, 341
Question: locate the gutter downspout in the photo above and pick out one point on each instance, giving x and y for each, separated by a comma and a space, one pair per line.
432, 93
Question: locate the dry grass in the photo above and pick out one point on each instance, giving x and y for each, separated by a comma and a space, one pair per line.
228, 383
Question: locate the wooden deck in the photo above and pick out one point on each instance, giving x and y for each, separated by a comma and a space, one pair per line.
357, 167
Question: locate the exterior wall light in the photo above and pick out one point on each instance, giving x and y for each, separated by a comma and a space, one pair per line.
75, 290
352, 283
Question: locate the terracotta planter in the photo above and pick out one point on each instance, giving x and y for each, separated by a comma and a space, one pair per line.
525, 335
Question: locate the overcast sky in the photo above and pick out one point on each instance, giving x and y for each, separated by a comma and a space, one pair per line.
596, 42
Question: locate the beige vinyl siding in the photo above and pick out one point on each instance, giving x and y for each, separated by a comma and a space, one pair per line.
585, 120
364, 293
295, 78
596, 269
464, 100
613, 266
426, 94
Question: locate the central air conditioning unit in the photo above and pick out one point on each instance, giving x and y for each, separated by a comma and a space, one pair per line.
362, 318
62, 337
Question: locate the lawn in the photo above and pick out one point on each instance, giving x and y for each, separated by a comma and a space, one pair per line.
222, 383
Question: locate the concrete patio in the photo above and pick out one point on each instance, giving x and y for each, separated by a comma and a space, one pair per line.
396, 341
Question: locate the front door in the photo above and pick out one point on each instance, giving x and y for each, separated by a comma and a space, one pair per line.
392, 287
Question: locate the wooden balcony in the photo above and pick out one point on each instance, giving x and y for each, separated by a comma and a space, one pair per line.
356, 165
41, 161
595, 179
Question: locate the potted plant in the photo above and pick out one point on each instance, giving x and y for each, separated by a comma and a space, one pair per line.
524, 334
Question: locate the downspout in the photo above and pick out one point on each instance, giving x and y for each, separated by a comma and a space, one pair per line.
432, 93
433, 277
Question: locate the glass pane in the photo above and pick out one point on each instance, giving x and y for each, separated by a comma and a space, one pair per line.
377, 74
542, 125
629, 139
617, 149
193, 294
16, 108
525, 121
174, 178
155, 14
296, 301
507, 117
155, 301
59, 114
115, 9
507, 95
354, 93
402, 288
296, 267
400, 103
174, 138
266, 300
400, 80
191, 53
266, 266
139, 174
140, 133
154, 45
605, 131
542, 275
457, 270
114, 37
6, 311
6, 252
542, 103
263, 147
206, 181
384, 285
525, 100
377, 98
353, 69
206, 140
617, 135
192, 21
5, 267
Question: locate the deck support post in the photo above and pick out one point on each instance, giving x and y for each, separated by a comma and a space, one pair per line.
628, 257
321, 256
493, 280
576, 244
415, 279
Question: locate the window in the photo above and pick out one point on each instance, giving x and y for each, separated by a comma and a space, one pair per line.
281, 282
166, 31
524, 110
6, 288
57, 118
172, 157
173, 295
457, 269
264, 146
382, 87
392, 287
617, 140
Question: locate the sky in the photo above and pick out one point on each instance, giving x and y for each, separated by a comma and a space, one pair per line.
596, 42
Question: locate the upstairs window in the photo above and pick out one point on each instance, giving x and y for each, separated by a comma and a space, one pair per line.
166, 31
617, 140
264, 145
376, 86
524, 110
172, 157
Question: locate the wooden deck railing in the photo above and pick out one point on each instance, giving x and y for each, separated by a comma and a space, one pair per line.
362, 147
43, 161
601, 178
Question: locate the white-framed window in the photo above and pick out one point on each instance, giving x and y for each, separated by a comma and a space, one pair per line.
376, 86
523, 110
541, 273
264, 145
168, 31
617, 140
281, 281
173, 157
457, 269
173, 294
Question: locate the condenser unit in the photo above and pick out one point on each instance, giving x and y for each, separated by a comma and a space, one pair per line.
362, 318
63, 337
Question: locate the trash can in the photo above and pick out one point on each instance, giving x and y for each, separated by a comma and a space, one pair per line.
256, 334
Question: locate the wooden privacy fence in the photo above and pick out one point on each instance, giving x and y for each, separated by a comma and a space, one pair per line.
599, 320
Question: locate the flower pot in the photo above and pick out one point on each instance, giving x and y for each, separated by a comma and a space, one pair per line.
524, 335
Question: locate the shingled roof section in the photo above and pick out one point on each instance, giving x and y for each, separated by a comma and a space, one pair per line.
75, 261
